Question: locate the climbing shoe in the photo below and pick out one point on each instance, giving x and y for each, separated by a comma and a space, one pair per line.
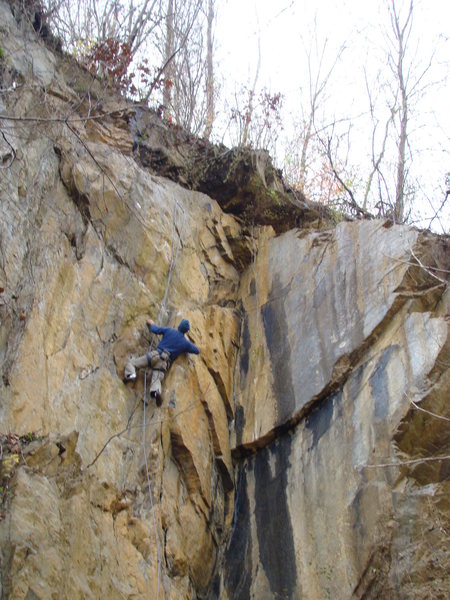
158, 398
128, 378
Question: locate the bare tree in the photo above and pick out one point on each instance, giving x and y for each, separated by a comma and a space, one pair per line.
255, 119
399, 90
344, 195
438, 211
173, 41
159, 43
169, 55
401, 30
304, 166
82, 23
376, 154
106, 36
254, 114
248, 114
188, 101
189, 89
318, 80
210, 87
385, 183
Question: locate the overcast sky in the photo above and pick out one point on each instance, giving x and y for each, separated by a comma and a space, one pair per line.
281, 26
284, 27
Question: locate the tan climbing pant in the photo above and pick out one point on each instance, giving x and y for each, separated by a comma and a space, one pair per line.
158, 362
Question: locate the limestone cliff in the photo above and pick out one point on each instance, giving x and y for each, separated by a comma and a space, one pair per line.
296, 457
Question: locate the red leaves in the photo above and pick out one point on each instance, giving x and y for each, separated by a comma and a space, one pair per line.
112, 59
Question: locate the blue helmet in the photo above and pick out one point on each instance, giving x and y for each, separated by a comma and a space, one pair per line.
184, 326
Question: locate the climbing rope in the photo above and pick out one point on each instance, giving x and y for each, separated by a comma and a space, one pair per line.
174, 255
173, 259
130, 418
150, 489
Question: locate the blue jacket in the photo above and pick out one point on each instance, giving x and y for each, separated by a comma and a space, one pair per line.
173, 340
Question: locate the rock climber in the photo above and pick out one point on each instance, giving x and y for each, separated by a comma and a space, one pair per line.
172, 344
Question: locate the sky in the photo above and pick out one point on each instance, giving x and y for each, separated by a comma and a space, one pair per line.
284, 28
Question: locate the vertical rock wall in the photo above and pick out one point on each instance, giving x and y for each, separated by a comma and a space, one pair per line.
90, 262
99, 498
341, 334
267, 471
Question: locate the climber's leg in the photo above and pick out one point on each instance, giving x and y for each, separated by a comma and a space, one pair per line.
139, 362
159, 365
155, 386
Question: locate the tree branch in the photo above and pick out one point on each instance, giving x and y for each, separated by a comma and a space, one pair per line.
11, 157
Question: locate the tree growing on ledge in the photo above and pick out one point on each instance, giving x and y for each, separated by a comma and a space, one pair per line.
154, 50
83, 23
404, 84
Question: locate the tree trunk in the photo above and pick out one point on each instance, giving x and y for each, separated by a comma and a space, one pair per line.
209, 71
399, 209
401, 34
168, 54
251, 96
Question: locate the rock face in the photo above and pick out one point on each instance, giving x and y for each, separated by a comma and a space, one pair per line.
342, 333
270, 471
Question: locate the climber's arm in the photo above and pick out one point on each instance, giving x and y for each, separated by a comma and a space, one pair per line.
192, 348
155, 329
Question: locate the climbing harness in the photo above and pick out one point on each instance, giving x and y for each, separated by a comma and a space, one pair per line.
163, 355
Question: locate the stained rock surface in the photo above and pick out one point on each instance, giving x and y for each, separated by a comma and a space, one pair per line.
343, 336
272, 468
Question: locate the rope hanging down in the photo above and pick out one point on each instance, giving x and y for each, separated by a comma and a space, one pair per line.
130, 418
173, 259
158, 558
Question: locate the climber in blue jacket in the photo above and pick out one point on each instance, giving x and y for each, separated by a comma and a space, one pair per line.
172, 344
